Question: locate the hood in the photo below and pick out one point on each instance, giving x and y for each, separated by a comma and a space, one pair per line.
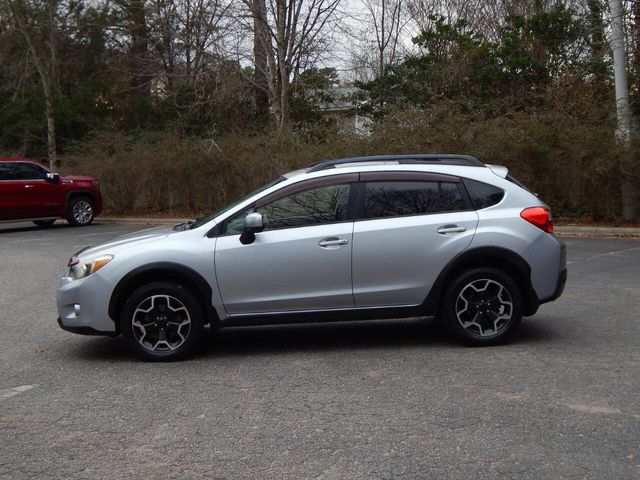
76, 178
129, 240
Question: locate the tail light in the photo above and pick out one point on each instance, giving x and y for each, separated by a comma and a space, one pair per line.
538, 216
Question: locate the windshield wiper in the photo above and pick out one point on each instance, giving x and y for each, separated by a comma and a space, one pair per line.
183, 226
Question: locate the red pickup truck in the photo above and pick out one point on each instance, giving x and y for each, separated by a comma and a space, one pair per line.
30, 191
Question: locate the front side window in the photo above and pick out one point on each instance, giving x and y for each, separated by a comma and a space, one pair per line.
316, 206
398, 199
327, 204
235, 224
208, 218
28, 171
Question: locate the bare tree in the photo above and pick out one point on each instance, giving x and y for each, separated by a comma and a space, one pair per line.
386, 17
37, 22
289, 33
482, 16
186, 37
138, 64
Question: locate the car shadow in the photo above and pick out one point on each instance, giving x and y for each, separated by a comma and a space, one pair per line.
12, 228
317, 337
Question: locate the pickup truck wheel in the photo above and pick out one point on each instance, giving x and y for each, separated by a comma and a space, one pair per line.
80, 212
162, 321
44, 223
482, 307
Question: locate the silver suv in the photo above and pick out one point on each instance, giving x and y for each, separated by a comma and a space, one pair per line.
355, 238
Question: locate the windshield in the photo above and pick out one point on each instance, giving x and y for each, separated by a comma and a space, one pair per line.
208, 218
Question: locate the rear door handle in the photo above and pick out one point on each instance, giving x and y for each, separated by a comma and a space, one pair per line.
28, 186
451, 229
333, 242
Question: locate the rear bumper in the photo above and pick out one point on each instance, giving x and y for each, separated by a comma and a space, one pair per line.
562, 281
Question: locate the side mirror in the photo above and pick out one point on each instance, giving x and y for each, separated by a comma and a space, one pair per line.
253, 222
52, 177
252, 225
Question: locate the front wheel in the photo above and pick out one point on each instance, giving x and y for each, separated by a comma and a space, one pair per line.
81, 212
162, 321
483, 307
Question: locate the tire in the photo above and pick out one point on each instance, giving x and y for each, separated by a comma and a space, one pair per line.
482, 307
162, 321
44, 223
81, 211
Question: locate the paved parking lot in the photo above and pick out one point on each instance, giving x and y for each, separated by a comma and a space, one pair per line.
384, 399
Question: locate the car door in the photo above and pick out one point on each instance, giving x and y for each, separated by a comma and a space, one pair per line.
409, 226
45, 198
25, 192
302, 258
15, 198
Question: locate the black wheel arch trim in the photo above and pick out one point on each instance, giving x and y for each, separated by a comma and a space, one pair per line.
80, 193
477, 256
85, 330
204, 290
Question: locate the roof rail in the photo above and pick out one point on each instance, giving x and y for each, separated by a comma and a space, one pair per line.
421, 158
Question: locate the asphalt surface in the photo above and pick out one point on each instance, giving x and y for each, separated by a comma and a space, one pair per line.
384, 399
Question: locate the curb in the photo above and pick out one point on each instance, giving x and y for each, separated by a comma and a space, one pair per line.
139, 221
576, 231
563, 230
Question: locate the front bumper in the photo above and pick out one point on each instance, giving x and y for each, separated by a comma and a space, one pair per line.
83, 306
84, 330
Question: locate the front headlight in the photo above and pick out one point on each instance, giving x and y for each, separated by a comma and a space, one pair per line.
80, 269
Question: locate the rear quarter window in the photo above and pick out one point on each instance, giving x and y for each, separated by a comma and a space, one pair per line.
483, 195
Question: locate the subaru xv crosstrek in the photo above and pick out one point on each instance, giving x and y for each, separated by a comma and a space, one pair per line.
348, 239
30, 191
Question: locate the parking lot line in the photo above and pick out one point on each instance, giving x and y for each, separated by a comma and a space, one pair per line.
11, 392
606, 254
99, 233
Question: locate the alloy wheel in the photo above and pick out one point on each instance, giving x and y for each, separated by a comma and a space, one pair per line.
484, 307
161, 323
82, 212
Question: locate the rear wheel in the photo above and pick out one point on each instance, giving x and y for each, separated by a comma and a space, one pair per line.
44, 223
483, 307
162, 321
80, 212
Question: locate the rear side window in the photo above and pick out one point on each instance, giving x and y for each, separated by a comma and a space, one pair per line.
7, 171
397, 199
483, 195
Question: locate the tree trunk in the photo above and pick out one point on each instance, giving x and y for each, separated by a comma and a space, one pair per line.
51, 125
597, 39
260, 34
45, 58
139, 47
282, 118
624, 130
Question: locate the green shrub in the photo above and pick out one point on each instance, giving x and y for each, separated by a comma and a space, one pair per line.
566, 154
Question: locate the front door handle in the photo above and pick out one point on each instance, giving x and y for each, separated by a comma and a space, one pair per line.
333, 242
28, 186
451, 229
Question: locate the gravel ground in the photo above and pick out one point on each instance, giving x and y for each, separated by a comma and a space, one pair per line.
383, 399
